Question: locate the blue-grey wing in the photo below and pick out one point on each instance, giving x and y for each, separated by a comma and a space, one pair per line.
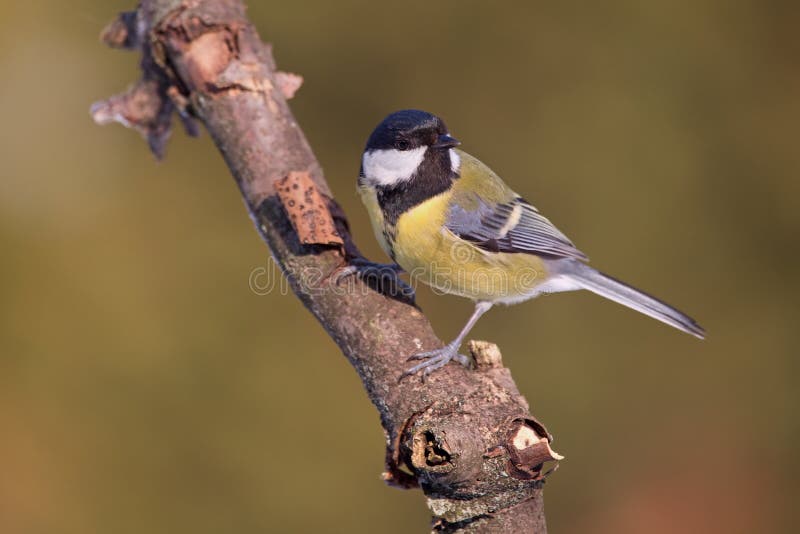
514, 226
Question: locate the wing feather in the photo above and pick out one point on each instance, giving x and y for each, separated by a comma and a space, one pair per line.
513, 226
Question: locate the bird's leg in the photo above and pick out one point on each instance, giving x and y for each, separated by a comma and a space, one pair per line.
386, 276
435, 359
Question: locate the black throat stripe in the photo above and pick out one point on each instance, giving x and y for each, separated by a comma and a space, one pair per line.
432, 178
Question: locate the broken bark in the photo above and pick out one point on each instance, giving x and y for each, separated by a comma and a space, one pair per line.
464, 436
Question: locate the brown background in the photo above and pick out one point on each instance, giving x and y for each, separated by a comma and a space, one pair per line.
145, 388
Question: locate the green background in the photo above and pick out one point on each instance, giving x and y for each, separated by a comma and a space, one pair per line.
145, 388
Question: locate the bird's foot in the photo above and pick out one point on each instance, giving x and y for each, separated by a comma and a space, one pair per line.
385, 278
436, 359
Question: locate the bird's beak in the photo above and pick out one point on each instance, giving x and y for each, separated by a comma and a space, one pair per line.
445, 141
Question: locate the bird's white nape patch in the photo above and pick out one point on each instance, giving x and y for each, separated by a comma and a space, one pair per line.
390, 166
455, 161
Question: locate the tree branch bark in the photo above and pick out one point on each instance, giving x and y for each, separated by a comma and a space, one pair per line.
464, 436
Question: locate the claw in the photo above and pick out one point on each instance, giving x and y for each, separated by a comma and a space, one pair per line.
423, 355
439, 357
435, 359
386, 276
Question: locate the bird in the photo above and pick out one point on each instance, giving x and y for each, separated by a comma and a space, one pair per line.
449, 221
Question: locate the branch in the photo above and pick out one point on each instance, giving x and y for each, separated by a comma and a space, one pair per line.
464, 436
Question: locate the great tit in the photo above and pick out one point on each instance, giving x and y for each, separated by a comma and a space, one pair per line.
449, 221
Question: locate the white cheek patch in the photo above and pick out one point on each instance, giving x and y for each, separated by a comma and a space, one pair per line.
390, 166
455, 161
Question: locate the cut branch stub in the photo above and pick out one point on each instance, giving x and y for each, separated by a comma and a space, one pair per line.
143, 108
487, 355
122, 32
288, 83
528, 447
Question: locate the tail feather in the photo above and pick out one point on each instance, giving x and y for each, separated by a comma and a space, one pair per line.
612, 289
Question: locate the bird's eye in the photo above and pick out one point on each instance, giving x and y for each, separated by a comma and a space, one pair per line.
401, 144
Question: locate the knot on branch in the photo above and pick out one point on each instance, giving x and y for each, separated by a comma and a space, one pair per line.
446, 454
468, 470
438, 451
218, 51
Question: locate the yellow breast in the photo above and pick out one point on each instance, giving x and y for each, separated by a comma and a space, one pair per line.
432, 254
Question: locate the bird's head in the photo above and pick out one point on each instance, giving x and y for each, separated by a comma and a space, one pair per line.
404, 143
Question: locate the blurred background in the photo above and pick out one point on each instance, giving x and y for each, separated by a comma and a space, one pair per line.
144, 387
